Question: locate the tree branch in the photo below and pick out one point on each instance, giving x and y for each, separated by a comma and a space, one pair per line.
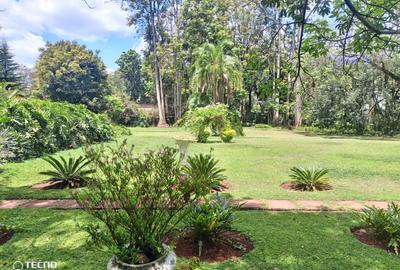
367, 23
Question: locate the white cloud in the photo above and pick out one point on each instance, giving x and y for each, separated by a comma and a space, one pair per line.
139, 47
29, 20
27, 48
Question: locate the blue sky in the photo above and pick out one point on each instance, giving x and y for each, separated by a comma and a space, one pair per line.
102, 28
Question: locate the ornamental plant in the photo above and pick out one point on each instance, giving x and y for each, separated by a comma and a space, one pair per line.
207, 220
385, 223
204, 120
310, 179
227, 135
154, 192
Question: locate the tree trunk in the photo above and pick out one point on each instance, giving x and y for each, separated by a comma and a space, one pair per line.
162, 122
298, 118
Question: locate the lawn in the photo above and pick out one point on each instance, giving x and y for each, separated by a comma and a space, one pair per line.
282, 240
256, 164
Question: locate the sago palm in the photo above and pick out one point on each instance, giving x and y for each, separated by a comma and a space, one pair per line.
310, 179
73, 171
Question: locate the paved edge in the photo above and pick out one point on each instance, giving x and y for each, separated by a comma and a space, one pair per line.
266, 205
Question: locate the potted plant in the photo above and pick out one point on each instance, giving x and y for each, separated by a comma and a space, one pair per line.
140, 200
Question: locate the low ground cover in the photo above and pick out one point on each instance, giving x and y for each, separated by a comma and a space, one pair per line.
282, 240
256, 164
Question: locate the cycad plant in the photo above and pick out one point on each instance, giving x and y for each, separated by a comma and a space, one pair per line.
313, 179
203, 169
73, 171
385, 223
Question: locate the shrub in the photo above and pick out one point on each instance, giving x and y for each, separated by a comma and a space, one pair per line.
385, 223
154, 191
123, 111
212, 117
262, 126
309, 179
73, 171
227, 135
41, 126
208, 219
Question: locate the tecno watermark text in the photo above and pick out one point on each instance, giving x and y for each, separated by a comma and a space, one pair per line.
18, 265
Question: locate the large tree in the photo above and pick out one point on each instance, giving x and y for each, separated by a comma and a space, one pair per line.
8, 67
147, 14
68, 71
216, 74
130, 67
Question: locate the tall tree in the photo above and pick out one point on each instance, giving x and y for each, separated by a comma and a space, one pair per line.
130, 67
68, 71
8, 67
148, 15
215, 73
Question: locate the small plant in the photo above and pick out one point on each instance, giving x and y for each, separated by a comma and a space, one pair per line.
227, 135
73, 171
207, 220
202, 136
154, 191
385, 223
203, 169
310, 179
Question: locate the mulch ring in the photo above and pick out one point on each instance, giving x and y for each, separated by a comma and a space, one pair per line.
5, 236
224, 185
231, 244
368, 236
51, 184
289, 185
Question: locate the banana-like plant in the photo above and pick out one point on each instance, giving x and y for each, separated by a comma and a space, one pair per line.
310, 179
73, 171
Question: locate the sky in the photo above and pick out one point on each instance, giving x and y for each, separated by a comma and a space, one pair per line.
28, 24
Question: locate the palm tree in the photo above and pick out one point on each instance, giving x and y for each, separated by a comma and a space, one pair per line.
216, 73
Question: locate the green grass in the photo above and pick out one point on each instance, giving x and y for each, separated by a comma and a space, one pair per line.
283, 240
360, 168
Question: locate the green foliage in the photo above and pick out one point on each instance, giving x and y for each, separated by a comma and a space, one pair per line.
154, 191
8, 67
124, 111
41, 126
208, 219
227, 135
130, 67
215, 73
67, 71
309, 179
204, 171
73, 171
212, 117
262, 126
385, 223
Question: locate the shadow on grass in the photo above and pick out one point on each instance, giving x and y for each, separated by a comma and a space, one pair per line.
344, 136
26, 192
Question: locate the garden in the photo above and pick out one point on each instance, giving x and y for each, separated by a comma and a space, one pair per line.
245, 135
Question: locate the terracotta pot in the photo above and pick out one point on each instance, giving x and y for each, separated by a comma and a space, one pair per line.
165, 262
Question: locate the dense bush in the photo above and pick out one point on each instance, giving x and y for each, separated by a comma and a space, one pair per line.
212, 118
155, 191
227, 135
123, 111
42, 126
208, 219
385, 223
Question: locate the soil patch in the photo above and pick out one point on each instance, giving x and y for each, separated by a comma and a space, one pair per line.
51, 184
289, 185
368, 236
5, 236
232, 244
